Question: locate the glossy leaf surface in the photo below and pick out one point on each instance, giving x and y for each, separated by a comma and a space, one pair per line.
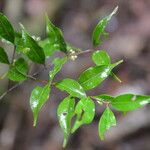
18, 70
6, 29
107, 120
128, 102
38, 98
3, 56
85, 111
55, 36
94, 76
48, 48
32, 49
72, 87
99, 30
58, 63
101, 58
65, 113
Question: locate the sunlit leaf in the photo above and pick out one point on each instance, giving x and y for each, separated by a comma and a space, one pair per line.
38, 98
58, 63
72, 87
3, 56
85, 111
18, 70
107, 120
65, 113
94, 76
128, 102
6, 29
101, 58
99, 30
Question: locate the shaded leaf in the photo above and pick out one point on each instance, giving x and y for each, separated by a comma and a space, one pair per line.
85, 111
99, 30
6, 29
32, 49
65, 113
18, 71
101, 58
128, 102
58, 63
3, 56
72, 87
94, 76
38, 98
55, 36
107, 120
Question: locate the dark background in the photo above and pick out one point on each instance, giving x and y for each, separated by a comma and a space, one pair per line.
129, 40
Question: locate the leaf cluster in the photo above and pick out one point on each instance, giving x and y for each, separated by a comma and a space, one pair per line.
77, 108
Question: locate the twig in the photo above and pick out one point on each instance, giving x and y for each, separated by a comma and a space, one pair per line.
13, 56
84, 52
32, 77
9, 90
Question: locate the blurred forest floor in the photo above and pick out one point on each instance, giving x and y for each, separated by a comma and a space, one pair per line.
129, 40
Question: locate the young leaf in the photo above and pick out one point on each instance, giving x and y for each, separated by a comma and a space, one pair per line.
33, 50
99, 30
85, 111
3, 56
101, 58
128, 102
72, 87
38, 98
56, 40
65, 113
94, 76
6, 29
58, 63
18, 70
107, 120
47, 47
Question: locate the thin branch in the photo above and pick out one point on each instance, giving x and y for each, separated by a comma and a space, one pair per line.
32, 77
13, 56
84, 52
9, 90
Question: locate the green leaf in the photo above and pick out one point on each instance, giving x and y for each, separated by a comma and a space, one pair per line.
6, 29
85, 111
19, 42
107, 120
72, 87
56, 40
128, 102
3, 56
58, 63
94, 76
32, 49
38, 98
18, 71
104, 97
47, 47
101, 58
99, 30
65, 113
